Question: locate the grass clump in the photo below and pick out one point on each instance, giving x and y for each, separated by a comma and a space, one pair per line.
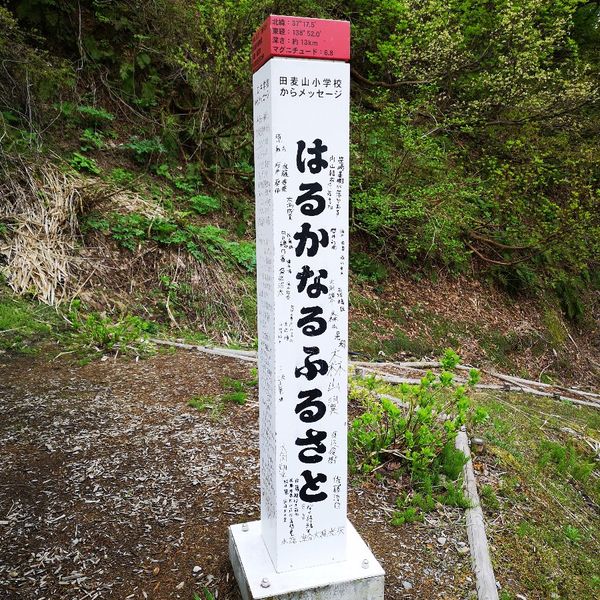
441, 485
23, 324
98, 333
236, 397
410, 514
414, 436
236, 390
573, 534
565, 459
488, 497
215, 406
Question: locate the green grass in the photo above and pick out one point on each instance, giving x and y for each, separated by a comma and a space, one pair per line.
24, 324
548, 492
236, 397
236, 390
488, 497
410, 514
214, 406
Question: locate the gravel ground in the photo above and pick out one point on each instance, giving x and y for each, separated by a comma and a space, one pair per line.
112, 487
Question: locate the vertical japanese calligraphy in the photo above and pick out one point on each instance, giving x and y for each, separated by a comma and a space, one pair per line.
301, 114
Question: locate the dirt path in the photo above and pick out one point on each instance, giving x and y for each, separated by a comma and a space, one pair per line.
112, 487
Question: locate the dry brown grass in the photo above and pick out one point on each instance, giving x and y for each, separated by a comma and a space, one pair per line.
43, 254
40, 206
204, 297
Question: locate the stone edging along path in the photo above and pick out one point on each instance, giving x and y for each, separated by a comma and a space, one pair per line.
480, 557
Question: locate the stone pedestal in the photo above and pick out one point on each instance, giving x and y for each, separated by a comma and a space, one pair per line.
359, 577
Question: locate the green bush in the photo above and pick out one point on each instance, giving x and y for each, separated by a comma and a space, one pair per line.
84, 163
144, 149
100, 333
121, 176
203, 204
95, 115
204, 242
92, 140
367, 268
418, 434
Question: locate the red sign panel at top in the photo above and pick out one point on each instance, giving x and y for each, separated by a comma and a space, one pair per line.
299, 37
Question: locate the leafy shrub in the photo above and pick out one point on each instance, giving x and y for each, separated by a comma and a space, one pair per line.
189, 183
95, 115
132, 229
569, 291
84, 163
92, 140
417, 435
367, 268
121, 176
204, 204
144, 149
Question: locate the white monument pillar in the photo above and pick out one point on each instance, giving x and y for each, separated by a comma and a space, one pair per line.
303, 541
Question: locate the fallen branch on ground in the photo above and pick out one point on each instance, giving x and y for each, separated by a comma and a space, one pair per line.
485, 579
513, 384
494, 386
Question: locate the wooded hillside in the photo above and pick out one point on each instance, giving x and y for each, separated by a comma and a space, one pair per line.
475, 134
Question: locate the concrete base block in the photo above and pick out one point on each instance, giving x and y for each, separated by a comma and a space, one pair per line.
359, 577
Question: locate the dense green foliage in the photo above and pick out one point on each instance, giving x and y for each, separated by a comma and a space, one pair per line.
410, 430
415, 432
475, 124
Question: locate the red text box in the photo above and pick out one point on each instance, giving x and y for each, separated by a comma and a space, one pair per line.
300, 37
